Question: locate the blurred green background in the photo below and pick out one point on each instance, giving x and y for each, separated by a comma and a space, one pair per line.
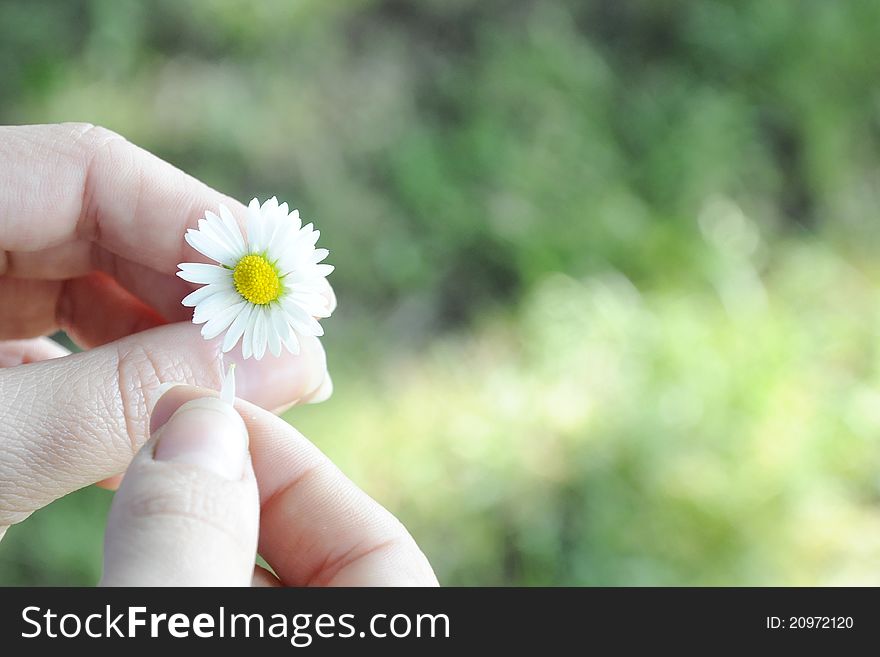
607, 269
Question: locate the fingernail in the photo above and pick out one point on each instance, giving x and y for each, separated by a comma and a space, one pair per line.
160, 392
208, 434
173, 397
323, 392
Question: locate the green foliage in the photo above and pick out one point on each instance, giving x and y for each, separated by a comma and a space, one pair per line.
600, 435
605, 268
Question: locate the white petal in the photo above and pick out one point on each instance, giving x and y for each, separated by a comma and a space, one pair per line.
302, 322
255, 228
230, 225
270, 206
206, 240
297, 255
310, 327
230, 236
227, 391
307, 299
213, 226
217, 324
207, 245
260, 334
247, 341
279, 321
294, 310
194, 298
308, 284
279, 241
291, 342
326, 290
196, 272
294, 220
319, 254
214, 305
237, 328
272, 329
312, 303
324, 270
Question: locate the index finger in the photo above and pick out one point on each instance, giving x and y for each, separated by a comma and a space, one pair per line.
76, 198
76, 182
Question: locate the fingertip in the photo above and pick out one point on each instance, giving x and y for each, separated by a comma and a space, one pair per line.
111, 483
323, 391
276, 381
22, 352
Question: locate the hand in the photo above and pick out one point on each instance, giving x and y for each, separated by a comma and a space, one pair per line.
194, 505
91, 232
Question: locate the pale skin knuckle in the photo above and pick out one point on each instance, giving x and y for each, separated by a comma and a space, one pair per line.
136, 372
92, 138
98, 150
139, 373
184, 494
84, 142
79, 129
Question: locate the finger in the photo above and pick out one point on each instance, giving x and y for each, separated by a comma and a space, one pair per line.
34, 302
317, 527
20, 352
188, 510
161, 291
77, 259
111, 483
328, 292
69, 422
81, 196
103, 189
65, 260
93, 310
322, 393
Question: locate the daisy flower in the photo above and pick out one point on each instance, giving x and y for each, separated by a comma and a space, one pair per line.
267, 288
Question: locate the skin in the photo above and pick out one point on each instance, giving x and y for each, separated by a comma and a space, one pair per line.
91, 232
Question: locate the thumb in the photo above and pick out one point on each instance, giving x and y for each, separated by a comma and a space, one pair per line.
187, 512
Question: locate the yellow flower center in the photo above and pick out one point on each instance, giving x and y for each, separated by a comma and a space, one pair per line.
256, 279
